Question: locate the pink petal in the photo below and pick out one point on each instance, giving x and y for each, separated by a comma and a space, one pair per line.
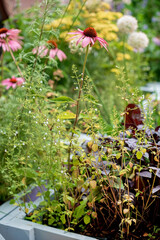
101, 40
13, 85
4, 82
53, 53
86, 41
14, 45
61, 55
79, 40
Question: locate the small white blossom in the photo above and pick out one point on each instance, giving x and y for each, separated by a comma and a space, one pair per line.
91, 5
138, 40
127, 24
76, 48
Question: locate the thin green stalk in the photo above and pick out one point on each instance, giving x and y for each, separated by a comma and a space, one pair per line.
40, 37
2, 56
124, 60
75, 18
64, 13
99, 97
77, 105
19, 70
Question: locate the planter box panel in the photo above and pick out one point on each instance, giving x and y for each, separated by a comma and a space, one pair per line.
14, 230
1, 237
5, 209
48, 233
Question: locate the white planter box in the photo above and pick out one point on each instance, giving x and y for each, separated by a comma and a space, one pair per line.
14, 227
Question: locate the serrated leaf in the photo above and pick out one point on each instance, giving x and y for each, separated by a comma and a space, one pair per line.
66, 115
139, 155
87, 219
62, 99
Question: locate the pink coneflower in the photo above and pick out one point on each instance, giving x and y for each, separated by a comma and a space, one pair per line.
12, 82
52, 51
10, 38
89, 36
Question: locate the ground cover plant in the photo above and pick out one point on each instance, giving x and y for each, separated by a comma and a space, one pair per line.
64, 73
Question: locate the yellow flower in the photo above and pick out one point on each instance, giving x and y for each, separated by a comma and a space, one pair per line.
128, 47
105, 6
121, 56
115, 70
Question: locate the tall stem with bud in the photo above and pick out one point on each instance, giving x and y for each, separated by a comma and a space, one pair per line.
77, 105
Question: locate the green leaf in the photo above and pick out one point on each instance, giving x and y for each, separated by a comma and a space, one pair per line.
50, 221
63, 219
12, 201
139, 155
79, 211
66, 115
87, 219
118, 155
62, 99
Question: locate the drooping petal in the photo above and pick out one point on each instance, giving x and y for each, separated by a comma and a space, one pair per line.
86, 41
4, 82
79, 40
101, 40
14, 45
61, 55
53, 53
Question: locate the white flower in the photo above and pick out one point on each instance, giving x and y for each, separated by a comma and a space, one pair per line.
74, 48
91, 5
126, 1
138, 40
127, 24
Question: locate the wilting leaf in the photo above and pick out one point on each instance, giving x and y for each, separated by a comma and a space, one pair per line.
146, 174
125, 211
93, 184
156, 189
94, 214
95, 147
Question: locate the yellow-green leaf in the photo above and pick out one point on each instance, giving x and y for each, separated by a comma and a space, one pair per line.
139, 155
66, 115
62, 99
87, 219
118, 155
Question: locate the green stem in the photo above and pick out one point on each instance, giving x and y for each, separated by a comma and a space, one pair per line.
2, 56
19, 70
77, 105
124, 60
99, 97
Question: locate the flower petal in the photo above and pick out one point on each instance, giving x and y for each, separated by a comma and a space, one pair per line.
86, 41
61, 55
